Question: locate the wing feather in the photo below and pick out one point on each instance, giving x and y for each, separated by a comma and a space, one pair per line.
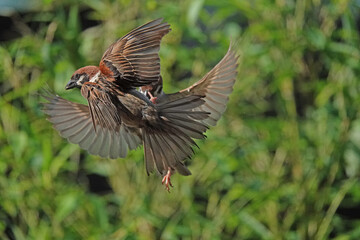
73, 121
134, 58
215, 86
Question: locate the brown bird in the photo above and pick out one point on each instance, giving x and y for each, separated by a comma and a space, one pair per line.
119, 117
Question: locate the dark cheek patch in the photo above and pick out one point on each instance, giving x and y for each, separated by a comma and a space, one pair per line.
86, 78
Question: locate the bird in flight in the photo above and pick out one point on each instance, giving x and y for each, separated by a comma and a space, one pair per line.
127, 107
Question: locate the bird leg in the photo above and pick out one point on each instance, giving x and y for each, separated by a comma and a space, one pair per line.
152, 98
166, 180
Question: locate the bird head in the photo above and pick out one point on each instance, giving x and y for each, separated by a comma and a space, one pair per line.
83, 75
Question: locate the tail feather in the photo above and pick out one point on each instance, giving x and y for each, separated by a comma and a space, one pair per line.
175, 146
168, 142
149, 155
188, 126
159, 154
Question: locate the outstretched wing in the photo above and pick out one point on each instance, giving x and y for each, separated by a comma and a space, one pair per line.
134, 60
216, 86
74, 122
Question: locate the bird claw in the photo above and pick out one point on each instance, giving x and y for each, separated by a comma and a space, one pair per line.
152, 98
166, 180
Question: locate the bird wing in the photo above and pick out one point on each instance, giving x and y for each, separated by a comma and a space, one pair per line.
74, 122
134, 60
103, 105
216, 86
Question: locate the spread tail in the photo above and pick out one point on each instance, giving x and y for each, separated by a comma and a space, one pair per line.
169, 141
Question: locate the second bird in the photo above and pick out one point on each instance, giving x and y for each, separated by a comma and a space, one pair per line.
119, 117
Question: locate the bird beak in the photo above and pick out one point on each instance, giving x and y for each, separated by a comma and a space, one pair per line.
71, 84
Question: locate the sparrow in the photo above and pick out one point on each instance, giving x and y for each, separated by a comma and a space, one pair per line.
120, 117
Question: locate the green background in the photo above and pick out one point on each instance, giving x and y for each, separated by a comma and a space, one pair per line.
282, 163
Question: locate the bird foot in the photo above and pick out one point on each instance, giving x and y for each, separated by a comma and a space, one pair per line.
152, 98
166, 180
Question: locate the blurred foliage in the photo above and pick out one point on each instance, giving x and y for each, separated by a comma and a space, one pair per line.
282, 163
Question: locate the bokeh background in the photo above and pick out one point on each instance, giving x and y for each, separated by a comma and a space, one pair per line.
282, 163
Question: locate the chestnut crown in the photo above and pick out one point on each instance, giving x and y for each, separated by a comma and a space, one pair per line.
81, 76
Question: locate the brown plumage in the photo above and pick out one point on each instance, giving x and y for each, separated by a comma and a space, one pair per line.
134, 58
215, 86
119, 117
